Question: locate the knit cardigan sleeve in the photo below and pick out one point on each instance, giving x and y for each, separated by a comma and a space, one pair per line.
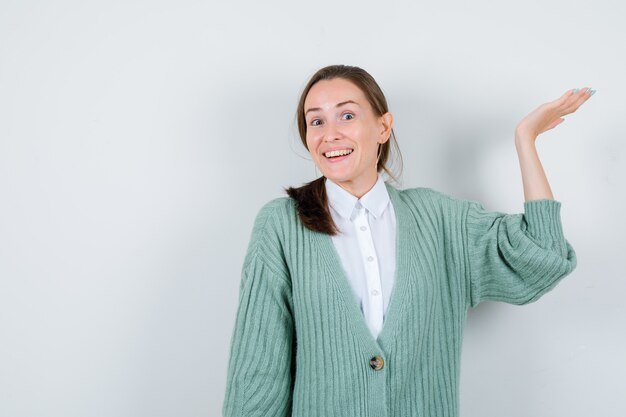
260, 367
515, 258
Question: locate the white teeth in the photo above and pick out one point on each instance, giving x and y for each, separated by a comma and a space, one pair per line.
338, 153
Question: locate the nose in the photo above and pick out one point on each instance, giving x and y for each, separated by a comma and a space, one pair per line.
331, 132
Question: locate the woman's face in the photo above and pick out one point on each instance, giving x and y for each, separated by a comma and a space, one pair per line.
340, 118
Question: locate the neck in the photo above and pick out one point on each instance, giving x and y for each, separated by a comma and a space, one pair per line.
360, 187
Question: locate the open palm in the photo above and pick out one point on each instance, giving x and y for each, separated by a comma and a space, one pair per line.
550, 114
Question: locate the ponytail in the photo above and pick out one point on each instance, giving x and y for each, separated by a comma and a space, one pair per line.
312, 206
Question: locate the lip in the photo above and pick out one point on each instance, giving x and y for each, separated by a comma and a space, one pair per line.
337, 158
337, 149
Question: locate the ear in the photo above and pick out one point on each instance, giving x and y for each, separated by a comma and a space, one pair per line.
386, 122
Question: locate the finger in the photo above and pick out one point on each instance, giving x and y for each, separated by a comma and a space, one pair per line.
564, 102
580, 97
574, 100
584, 92
577, 93
564, 98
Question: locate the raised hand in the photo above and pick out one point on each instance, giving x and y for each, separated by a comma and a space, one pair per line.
549, 115
543, 118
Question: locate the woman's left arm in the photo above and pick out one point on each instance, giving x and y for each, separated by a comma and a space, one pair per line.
543, 118
516, 258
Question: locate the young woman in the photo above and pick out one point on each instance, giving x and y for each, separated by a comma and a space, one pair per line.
354, 294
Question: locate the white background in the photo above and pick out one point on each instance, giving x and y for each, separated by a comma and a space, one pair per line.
138, 140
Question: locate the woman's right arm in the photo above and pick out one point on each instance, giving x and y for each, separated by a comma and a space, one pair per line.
261, 364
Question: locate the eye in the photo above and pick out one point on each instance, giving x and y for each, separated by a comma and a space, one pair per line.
315, 122
347, 116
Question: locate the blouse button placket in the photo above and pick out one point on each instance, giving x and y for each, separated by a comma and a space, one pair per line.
373, 315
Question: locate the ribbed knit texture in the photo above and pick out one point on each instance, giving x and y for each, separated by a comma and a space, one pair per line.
301, 347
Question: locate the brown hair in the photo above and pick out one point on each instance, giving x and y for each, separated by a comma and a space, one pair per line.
311, 200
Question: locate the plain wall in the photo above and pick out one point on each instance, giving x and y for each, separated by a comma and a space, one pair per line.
138, 140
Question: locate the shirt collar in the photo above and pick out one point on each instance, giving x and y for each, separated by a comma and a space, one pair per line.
375, 200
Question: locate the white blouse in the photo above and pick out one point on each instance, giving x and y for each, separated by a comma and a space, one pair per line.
366, 246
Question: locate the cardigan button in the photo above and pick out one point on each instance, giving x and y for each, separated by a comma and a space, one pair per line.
377, 363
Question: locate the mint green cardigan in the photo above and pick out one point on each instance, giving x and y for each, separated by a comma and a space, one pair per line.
300, 346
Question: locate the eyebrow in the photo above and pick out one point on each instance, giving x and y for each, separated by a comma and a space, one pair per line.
338, 105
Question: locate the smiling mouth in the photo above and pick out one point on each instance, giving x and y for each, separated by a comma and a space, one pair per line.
338, 153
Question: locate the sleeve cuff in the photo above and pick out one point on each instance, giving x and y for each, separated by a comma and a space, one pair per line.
543, 220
